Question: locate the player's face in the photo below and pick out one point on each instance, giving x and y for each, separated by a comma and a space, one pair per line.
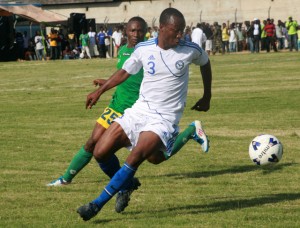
135, 33
171, 33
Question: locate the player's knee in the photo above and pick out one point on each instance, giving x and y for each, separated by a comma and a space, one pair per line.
100, 157
155, 160
90, 145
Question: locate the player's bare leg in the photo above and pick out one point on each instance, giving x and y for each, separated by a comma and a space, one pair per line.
147, 144
194, 131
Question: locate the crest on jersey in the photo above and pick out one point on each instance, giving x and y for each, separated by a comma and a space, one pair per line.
179, 65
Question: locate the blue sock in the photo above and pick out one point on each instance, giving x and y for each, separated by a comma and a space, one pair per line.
119, 180
111, 166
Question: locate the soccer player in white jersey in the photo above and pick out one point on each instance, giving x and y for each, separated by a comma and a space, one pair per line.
151, 125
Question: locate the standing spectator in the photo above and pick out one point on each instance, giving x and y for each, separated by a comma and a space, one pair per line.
217, 38
198, 36
154, 33
209, 34
101, 36
240, 37
270, 35
250, 35
286, 36
291, 27
47, 46
60, 43
225, 38
84, 42
93, 43
20, 46
256, 35
117, 37
26, 41
124, 37
274, 39
39, 46
232, 38
53, 37
72, 40
263, 36
279, 34
107, 42
148, 33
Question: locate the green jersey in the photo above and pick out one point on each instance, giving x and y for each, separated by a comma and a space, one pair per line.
128, 91
84, 38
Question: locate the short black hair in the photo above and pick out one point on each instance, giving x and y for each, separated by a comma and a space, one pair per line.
168, 13
140, 20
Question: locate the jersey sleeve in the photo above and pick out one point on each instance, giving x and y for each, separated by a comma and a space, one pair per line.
133, 64
200, 57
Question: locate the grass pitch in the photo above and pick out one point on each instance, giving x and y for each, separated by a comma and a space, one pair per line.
44, 123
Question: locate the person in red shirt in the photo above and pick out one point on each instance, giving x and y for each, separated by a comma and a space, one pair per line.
271, 34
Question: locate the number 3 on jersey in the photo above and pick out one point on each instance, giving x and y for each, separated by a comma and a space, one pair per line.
151, 67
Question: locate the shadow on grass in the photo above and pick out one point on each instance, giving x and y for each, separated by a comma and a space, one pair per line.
235, 204
231, 170
238, 204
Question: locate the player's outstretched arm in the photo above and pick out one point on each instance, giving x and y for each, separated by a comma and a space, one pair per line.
99, 82
116, 79
203, 104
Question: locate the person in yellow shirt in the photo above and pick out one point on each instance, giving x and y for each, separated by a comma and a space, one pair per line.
225, 38
53, 37
263, 36
148, 34
291, 25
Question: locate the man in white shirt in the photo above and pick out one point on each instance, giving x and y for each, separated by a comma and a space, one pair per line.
39, 46
198, 35
117, 38
151, 125
93, 44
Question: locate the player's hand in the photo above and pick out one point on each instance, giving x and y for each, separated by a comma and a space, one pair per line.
92, 99
99, 82
202, 105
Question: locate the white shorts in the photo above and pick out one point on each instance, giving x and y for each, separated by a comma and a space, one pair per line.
134, 122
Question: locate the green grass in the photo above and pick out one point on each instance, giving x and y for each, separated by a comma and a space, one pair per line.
44, 123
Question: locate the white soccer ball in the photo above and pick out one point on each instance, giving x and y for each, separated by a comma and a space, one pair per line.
265, 150
81, 55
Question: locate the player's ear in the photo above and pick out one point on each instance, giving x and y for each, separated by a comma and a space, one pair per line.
161, 26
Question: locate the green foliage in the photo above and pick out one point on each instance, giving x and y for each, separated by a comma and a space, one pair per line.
44, 123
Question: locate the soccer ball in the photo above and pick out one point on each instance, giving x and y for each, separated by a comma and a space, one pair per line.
265, 150
81, 55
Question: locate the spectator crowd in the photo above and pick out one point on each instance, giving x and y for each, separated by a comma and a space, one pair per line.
252, 36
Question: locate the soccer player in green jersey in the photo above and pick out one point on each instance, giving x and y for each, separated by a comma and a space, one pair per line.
124, 97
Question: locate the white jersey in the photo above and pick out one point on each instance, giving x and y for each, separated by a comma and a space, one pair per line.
92, 36
38, 42
164, 87
117, 36
198, 36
